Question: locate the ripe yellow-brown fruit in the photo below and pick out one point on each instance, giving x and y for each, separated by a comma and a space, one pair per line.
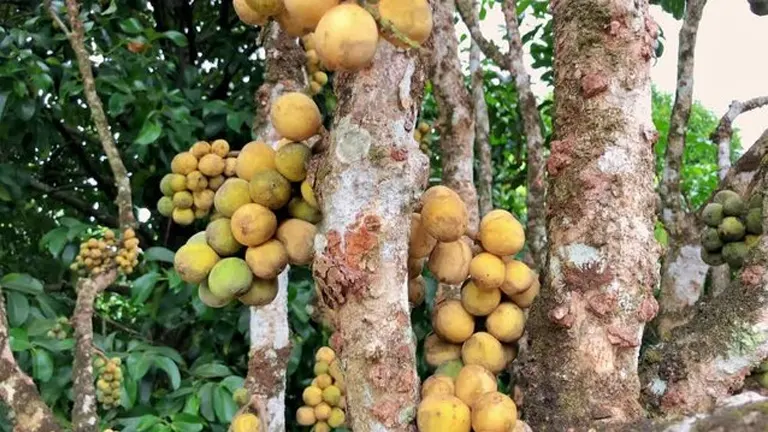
196, 181
183, 216
322, 411
248, 15
298, 237
245, 423
325, 354
332, 395
321, 426
183, 200
494, 412
165, 206
346, 38
506, 323
178, 182
232, 195
415, 267
254, 156
295, 116
484, 350
261, 292
510, 353
323, 380
183, 163
417, 291
201, 213
312, 396
443, 214
230, 166
200, 149
420, 242
307, 13
267, 260
479, 302
290, 24
210, 300
214, 183
320, 368
219, 236
452, 323
437, 351
305, 416
220, 147
487, 271
472, 382
291, 161
309, 194
518, 278
437, 385
443, 413
211, 165
449, 262
268, 8
230, 277
253, 224
270, 189
337, 418
501, 234
194, 261
413, 18
525, 298
203, 199
300, 209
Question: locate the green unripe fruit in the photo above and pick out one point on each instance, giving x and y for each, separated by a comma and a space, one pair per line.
756, 201
332, 395
209, 299
99, 362
734, 206
450, 368
240, 396
165, 206
182, 200
219, 237
712, 258
723, 195
731, 229
712, 214
751, 240
291, 161
734, 254
230, 277
166, 185
755, 221
321, 367
270, 189
710, 240
300, 209
763, 380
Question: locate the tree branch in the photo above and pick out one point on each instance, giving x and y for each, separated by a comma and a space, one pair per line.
472, 22
482, 128
73, 201
724, 131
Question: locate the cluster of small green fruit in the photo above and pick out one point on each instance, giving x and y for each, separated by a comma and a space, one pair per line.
324, 397
108, 382
422, 135
59, 330
734, 226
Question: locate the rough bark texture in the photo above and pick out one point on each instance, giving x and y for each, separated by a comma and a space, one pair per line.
269, 329
368, 183
724, 132
456, 122
598, 294
482, 130
684, 272
742, 173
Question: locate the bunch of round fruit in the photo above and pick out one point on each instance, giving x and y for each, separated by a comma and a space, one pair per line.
245, 422
422, 135
318, 77
195, 176
108, 382
59, 330
98, 254
733, 228
324, 398
338, 26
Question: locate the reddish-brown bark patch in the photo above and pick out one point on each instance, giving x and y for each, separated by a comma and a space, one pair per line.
265, 372
562, 316
560, 156
752, 276
387, 411
622, 336
601, 303
592, 84
648, 309
399, 154
587, 277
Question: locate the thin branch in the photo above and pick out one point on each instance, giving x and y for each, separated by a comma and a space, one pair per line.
724, 131
73, 201
482, 130
488, 48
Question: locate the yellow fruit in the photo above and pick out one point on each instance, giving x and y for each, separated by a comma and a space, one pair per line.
214, 183
245, 423
308, 194
325, 354
484, 350
230, 277
178, 182
320, 77
248, 15
321, 367
322, 411
253, 224
510, 353
291, 161
424, 127
415, 267
166, 186
254, 156
268, 8
506, 323
300, 209
183, 163
443, 214
307, 13
518, 278
290, 25
315, 88
494, 412
450, 369
268, 260
305, 416
194, 261
295, 116
219, 236
165, 206
210, 300
525, 298
416, 291
200, 149
201, 213
501, 234
203, 199
479, 302
182, 200
298, 237
487, 271
183, 216
211, 165
321, 427
437, 351
420, 242
232, 195
337, 418
220, 147
230, 166
332, 395
449, 262
443, 414
312, 396
413, 18
472, 382
346, 38
323, 380
196, 181
261, 293
270, 189
437, 385
452, 323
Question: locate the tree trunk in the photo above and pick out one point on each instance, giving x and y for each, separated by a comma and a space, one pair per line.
683, 272
602, 269
482, 130
368, 185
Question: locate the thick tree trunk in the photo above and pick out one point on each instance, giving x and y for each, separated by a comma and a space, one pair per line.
598, 295
368, 184
683, 272
482, 131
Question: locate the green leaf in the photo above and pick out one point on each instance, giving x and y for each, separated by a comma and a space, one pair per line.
232, 383
3, 100
55, 345
21, 282
18, 308
131, 26
111, 9
138, 364
211, 370
184, 422
149, 132
223, 404
27, 109
142, 287
171, 369
158, 253
176, 37
206, 401
55, 239
42, 366
19, 340
5, 194
235, 121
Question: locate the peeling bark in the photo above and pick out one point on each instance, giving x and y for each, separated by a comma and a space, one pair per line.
368, 184
724, 132
482, 129
456, 122
586, 328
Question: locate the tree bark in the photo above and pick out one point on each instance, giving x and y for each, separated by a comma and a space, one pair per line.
598, 295
482, 129
368, 184
724, 132
456, 121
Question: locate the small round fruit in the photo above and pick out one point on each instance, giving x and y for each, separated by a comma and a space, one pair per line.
506, 323
245, 423
172, 183
300, 209
230, 166
230, 277
261, 293
321, 367
253, 224
420, 242
332, 395
312, 396
291, 161
325, 354
220, 238
341, 28
487, 271
211, 165
525, 299
484, 350
518, 278
449, 262
203, 199
241, 397
183, 163
438, 352
193, 262
755, 221
165, 206
494, 412
444, 215
214, 183
298, 237
321, 426
479, 302
712, 214
305, 416
183, 200
248, 15
442, 413
268, 260
307, 13
309, 194
735, 253
337, 418
196, 181
270, 189
452, 322
254, 157
232, 195
731, 229
472, 382
413, 18
416, 291
210, 300
322, 411
437, 385
415, 267
198, 238
450, 369
323, 380
268, 8
220, 147
200, 149
501, 234
295, 116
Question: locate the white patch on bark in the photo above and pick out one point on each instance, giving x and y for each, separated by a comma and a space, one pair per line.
580, 254
8, 389
354, 142
689, 273
615, 160
404, 89
658, 386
